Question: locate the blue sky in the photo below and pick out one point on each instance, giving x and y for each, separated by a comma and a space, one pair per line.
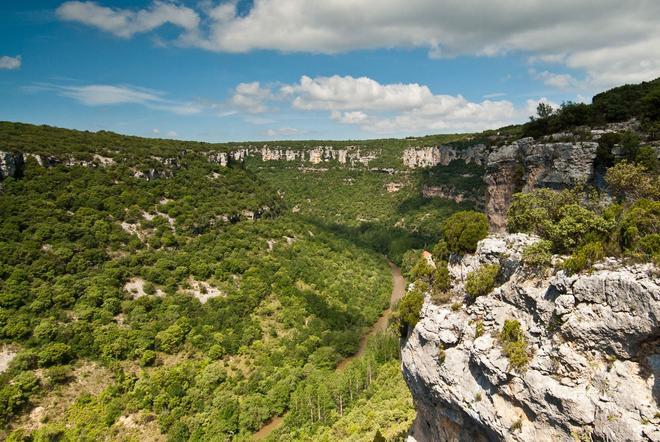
302, 69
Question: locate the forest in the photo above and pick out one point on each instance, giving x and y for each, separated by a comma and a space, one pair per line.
203, 302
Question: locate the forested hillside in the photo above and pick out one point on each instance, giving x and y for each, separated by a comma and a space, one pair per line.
149, 292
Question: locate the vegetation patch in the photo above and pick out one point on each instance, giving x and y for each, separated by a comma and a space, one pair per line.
481, 281
514, 345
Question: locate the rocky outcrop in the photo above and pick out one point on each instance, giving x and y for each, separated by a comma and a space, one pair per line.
525, 165
451, 193
592, 340
11, 164
420, 157
352, 155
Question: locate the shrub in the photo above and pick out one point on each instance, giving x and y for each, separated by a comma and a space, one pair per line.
631, 182
530, 212
58, 374
441, 251
441, 278
481, 281
514, 344
463, 230
538, 254
647, 158
148, 358
408, 311
149, 288
54, 354
409, 260
422, 270
441, 354
640, 220
576, 226
584, 257
479, 329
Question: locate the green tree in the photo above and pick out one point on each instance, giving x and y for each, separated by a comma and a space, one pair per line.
463, 230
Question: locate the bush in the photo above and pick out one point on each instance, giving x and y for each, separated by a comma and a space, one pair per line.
463, 230
481, 281
647, 158
422, 270
441, 278
441, 251
514, 345
632, 181
576, 226
479, 329
58, 374
54, 354
408, 311
148, 358
584, 257
538, 255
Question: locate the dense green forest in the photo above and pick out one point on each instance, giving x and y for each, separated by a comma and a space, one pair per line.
204, 303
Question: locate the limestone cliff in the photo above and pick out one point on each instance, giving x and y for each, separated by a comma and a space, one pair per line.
351, 155
11, 164
525, 164
420, 157
594, 358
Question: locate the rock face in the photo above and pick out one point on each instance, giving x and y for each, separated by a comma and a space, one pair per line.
414, 158
525, 165
594, 364
352, 155
11, 164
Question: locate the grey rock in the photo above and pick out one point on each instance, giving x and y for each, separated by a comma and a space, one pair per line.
571, 384
11, 164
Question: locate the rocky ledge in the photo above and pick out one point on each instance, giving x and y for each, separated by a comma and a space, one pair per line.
594, 366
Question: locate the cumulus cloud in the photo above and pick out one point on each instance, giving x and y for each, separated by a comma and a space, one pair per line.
251, 97
109, 95
10, 63
392, 108
126, 23
339, 93
558, 81
612, 41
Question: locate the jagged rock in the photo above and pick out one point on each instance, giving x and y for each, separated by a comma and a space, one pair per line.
572, 385
414, 158
11, 164
526, 165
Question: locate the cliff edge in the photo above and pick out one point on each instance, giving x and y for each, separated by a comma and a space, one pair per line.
592, 342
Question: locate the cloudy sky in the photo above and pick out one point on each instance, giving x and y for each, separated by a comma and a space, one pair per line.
220, 70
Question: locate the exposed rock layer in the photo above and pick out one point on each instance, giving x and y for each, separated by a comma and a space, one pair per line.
594, 360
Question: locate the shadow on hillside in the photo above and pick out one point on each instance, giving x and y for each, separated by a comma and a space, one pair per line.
390, 241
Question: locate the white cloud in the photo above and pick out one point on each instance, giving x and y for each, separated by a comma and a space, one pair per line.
251, 97
341, 93
172, 134
612, 41
10, 63
558, 81
281, 132
109, 95
395, 108
126, 23
495, 95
